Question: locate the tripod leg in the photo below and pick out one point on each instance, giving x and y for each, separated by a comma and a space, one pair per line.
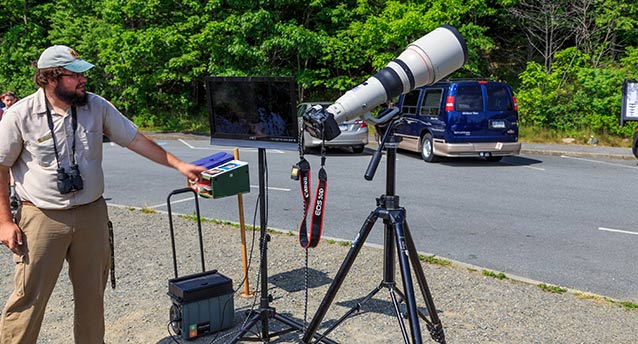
408, 286
435, 327
395, 302
340, 276
250, 322
353, 310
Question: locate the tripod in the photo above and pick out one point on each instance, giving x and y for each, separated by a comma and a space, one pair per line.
265, 313
396, 235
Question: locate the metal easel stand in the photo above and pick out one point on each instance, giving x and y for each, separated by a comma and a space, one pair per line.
265, 313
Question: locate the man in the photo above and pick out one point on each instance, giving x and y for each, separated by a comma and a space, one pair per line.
52, 142
8, 98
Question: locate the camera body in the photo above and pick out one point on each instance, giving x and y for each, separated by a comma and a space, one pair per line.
320, 123
70, 181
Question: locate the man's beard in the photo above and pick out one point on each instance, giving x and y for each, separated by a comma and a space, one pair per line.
70, 97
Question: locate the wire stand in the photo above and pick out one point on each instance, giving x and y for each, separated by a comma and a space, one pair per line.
397, 234
264, 314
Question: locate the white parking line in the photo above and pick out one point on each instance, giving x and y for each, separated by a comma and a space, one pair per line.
193, 147
187, 144
530, 167
617, 231
276, 151
271, 188
172, 202
597, 161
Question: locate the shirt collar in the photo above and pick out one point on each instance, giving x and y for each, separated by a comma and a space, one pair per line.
40, 103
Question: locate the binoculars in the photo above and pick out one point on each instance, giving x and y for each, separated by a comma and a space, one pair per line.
70, 181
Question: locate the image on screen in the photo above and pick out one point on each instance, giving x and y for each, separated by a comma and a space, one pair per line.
253, 111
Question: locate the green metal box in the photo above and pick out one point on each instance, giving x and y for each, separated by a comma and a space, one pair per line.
229, 179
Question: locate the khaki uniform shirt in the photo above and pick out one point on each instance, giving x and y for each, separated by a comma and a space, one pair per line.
26, 145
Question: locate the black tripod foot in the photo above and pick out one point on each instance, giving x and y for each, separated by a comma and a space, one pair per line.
263, 316
436, 332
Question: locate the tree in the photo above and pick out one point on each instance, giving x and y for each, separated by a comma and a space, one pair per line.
546, 24
597, 25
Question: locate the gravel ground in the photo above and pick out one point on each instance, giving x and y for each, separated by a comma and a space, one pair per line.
473, 308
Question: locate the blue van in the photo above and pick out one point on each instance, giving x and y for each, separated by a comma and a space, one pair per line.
460, 118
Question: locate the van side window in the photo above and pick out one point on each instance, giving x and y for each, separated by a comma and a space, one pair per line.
469, 98
498, 99
410, 101
431, 102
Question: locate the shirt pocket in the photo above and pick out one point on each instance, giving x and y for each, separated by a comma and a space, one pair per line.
42, 152
91, 143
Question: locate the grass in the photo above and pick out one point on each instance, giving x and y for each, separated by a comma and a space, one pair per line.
147, 210
434, 260
628, 306
548, 135
499, 275
552, 288
219, 222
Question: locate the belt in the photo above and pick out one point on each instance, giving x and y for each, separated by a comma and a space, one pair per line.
25, 202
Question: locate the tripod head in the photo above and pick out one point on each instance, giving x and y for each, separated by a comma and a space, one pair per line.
388, 120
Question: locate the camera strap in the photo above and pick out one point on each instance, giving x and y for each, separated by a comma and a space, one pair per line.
74, 125
112, 247
301, 171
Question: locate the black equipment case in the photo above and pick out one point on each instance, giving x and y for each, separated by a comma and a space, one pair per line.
202, 302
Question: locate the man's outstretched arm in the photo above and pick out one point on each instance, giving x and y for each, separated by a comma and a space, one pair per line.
146, 147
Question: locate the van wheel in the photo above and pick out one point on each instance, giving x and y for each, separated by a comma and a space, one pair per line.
427, 148
357, 149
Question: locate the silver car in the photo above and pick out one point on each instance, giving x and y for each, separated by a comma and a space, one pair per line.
354, 133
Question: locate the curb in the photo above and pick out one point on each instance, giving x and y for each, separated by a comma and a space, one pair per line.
578, 154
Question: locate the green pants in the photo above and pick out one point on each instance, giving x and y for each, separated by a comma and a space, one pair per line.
79, 236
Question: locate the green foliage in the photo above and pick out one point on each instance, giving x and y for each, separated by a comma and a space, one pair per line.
434, 260
575, 97
552, 288
630, 306
152, 56
493, 274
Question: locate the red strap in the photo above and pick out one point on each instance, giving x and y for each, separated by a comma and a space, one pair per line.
316, 224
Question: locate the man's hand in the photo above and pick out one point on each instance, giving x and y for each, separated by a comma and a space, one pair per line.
11, 236
190, 171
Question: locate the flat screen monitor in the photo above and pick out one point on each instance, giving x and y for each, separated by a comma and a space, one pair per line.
253, 112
